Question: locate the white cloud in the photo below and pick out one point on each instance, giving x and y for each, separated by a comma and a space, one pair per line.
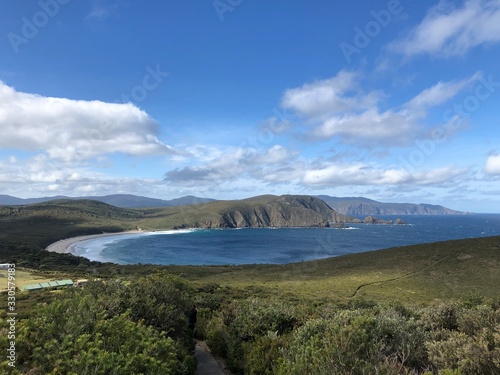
278, 165
492, 166
75, 129
440, 93
337, 94
363, 174
453, 31
369, 127
337, 108
229, 164
41, 176
275, 155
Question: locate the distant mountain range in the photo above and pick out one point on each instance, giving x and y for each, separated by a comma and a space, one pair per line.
357, 206
364, 206
118, 200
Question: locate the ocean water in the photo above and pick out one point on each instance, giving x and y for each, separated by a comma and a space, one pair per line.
281, 245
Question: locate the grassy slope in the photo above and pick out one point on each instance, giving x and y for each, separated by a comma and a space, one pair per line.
419, 273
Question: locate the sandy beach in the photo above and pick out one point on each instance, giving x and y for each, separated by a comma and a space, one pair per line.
65, 245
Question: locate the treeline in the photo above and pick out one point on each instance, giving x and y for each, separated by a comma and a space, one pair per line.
262, 336
37, 258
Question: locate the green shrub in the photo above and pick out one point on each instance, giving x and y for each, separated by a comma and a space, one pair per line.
472, 321
262, 357
339, 346
217, 336
441, 317
474, 348
398, 339
75, 336
463, 353
253, 318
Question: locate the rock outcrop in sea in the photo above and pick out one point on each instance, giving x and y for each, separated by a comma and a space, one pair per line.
374, 220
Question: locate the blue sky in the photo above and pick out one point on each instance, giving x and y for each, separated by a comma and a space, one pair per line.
393, 100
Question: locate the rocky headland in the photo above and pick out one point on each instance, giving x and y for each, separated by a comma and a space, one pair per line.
274, 211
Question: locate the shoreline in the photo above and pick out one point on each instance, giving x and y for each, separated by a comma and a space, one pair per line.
66, 245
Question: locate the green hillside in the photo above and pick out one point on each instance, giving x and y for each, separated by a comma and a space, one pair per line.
43, 223
417, 273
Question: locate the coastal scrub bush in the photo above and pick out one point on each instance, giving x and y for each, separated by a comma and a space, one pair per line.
239, 330
474, 347
442, 316
340, 345
161, 300
264, 354
252, 318
269, 336
76, 336
112, 327
466, 354
217, 336
400, 339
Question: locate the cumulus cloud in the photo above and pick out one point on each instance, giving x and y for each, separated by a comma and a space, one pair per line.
272, 165
363, 174
278, 165
453, 31
40, 175
492, 166
368, 127
336, 94
75, 129
336, 107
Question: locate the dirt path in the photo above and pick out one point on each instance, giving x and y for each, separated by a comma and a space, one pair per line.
397, 278
207, 364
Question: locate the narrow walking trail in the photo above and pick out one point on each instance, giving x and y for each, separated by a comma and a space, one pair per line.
207, 364
399, 277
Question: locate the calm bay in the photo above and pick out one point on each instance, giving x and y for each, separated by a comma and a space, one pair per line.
281, 245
